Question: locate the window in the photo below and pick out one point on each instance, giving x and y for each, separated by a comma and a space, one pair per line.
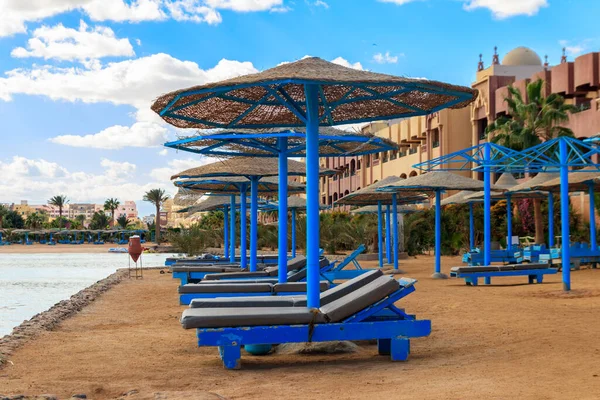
368, 161
376, 156
435, 138
346, 171
412, 150
358, 165
385, 156
403, 152
481, 126
394, 154
353, 167
335, 177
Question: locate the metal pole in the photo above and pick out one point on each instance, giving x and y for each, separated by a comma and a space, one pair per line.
509, 221
564, 216
282, 222
487, 205
471, 227
232, 229
388, 234
293, 232
226, 230
253, 223
312, 194
243, 227
550, 220
395, 227
380, 234
438, 234
593, 242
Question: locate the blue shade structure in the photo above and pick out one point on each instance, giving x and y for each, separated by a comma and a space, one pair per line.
370, 195
307, 93
280, 143
560, 155
485, 157
433, 183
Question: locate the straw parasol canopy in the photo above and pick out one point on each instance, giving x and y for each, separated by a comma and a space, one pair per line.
458, 198
533, 194
295, 203
537, 180
347, 95
370, 195
231, 185
211, 203
506, 181
578, 182
433, 181
333, 142
245, 167
406, 209
186, 197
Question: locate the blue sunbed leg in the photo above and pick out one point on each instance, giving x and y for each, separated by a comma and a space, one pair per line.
399, 349
384, 347
531, 279
231, 356
471, 281
540, 278
185, 279
488, 280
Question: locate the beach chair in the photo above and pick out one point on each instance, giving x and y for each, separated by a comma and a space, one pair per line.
471, 275
335, 272
365, 313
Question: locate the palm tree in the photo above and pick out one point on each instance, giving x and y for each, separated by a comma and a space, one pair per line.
34, 221
530, 122
59, 201
156, 197
123, 221
99, 221
111, 205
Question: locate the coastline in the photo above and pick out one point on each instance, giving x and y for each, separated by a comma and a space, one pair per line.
49, 319
73, 249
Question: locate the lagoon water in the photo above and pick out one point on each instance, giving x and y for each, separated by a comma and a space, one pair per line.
32, 283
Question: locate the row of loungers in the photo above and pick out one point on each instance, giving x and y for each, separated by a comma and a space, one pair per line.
262, 259
361, 308
534, 272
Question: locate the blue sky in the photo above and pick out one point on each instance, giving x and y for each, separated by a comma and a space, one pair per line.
77, 76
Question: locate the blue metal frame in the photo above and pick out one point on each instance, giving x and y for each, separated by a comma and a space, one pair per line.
293, 232
243, 228
395, 223
226, 230
471, 278
471, 227
379, 234
282, 245
232, 229
388, 235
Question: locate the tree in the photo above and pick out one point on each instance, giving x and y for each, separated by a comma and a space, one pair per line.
99, 221
123, 221
111, 205
12, 219
3, 212
531, 121
59, 201
34, 221
156, 197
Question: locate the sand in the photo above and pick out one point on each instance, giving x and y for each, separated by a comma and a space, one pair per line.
497, 342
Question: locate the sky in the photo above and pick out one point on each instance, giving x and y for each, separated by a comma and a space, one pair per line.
77, 77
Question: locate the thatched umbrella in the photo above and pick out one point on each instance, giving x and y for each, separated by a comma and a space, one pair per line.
370, 195
434, 182
307, 93
407, 209
253, 171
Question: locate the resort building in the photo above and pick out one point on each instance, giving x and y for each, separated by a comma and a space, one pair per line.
85, 209
128, 208
426, 137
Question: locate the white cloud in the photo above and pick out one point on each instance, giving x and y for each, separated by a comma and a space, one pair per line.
164, 174
163, 152
17, 13
70, 44
507, 8
321, 3
399, 2
132, 82
575, 49
38, 180
140, 134
386, 58
340, 61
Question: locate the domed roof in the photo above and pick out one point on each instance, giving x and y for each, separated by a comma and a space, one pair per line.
521, 56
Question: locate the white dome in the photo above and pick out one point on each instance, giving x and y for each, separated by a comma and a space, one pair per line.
521, 56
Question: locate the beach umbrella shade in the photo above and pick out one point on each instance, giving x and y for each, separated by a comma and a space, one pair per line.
307, 93
434, 183
282, 143
230, 186
253, 169
371, 195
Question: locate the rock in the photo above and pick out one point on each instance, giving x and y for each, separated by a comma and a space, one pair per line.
79, 396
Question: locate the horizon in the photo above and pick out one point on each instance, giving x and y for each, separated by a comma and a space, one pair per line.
77, 78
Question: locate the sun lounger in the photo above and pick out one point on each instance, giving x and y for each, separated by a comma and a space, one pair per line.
357, 315
512, 256
338, 271
192, 291
535, 272
261, 259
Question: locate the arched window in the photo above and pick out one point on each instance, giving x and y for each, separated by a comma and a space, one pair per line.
335, 197
413, 173
403, 176
346, 193
358, 166
353, 167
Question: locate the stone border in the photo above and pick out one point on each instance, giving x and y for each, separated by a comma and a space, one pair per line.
49, 319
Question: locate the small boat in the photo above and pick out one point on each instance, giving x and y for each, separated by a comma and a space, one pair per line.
117, 250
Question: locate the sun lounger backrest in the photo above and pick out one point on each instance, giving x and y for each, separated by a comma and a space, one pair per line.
360, 299
297, 276
349, 286
323, 262
296, 263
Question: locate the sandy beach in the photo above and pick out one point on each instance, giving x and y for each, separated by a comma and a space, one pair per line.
493, 342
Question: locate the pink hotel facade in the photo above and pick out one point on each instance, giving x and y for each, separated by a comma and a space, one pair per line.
426, 137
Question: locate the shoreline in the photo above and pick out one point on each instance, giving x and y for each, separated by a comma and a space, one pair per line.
77, 249
47, 320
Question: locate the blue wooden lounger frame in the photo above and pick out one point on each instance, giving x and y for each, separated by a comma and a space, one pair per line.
391, 326
334, 271
471, 275
512, 256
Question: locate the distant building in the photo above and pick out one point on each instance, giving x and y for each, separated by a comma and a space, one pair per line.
149, 219
127, 208
85, 209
